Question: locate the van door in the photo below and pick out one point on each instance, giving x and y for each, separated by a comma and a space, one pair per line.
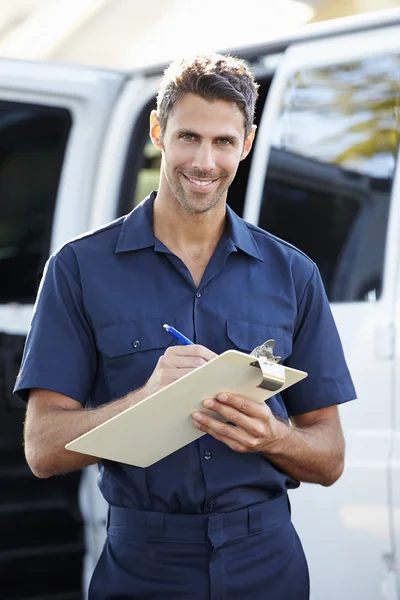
52, 119
322, 178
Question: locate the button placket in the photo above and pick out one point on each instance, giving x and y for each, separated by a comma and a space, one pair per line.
196, 307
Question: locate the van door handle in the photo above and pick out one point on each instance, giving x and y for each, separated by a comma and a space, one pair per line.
384, 342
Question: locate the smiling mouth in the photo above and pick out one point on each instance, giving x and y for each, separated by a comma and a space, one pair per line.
201, 183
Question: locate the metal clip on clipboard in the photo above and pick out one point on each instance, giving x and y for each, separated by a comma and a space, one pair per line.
272, 373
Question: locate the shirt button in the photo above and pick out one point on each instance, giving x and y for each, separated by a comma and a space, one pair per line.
198, 295
211, 505
207, 455
136, 344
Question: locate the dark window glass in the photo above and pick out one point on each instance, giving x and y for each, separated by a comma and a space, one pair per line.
32, 146
331, 168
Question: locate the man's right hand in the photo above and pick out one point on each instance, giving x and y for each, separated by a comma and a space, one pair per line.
176, 362
53, 420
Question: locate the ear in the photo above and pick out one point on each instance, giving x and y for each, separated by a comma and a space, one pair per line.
155, 130
248, 142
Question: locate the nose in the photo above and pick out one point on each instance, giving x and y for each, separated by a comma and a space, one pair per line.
204, 157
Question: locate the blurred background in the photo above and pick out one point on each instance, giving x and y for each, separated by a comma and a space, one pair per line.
128, 33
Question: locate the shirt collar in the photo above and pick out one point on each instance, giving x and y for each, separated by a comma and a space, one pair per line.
137, 227
241, 235
137, 230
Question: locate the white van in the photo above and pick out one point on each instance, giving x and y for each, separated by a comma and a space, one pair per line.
74, 154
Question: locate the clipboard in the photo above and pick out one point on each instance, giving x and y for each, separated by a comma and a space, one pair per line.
161, 424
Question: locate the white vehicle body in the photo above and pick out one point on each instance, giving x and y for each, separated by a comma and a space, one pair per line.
351, 531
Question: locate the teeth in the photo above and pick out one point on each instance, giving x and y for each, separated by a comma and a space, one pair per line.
201, 182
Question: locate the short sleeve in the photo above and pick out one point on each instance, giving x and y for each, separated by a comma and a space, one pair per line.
317, 349
59, 354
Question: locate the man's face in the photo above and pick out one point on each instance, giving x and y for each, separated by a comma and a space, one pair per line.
202, 145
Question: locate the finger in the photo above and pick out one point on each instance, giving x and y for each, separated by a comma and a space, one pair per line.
192, 350
254, 426
222, 431
178, 361
233, 444
244, 405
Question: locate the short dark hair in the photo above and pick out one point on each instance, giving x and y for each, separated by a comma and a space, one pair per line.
212, 77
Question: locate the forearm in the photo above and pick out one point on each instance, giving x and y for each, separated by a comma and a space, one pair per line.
53, 420
313, 454
45, 442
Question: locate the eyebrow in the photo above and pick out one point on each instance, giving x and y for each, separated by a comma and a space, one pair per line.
231, 138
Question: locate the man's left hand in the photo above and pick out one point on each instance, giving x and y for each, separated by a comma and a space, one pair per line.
250, 427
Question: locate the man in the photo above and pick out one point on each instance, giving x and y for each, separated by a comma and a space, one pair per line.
211, 520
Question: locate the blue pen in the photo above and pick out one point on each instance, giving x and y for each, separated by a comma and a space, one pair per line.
177, 335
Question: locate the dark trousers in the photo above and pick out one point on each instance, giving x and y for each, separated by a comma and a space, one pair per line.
250, 554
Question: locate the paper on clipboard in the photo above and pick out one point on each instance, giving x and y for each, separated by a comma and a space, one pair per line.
161, 424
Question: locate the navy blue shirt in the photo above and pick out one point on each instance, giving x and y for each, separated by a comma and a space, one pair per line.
97, 334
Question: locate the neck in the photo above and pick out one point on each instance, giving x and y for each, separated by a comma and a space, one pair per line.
184, 232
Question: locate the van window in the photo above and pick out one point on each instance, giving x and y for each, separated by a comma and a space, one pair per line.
330, 172
149, 174
32, 146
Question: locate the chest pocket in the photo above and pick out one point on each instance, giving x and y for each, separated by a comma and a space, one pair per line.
246, 336
130, 352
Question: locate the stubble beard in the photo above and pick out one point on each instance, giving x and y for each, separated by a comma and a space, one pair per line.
193, 203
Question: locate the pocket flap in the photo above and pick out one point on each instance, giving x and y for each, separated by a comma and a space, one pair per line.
248, 336
134, 336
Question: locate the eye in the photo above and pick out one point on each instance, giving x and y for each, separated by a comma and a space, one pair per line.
223, 142
187, 137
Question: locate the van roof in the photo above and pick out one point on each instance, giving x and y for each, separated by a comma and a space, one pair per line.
314, 31
252, 53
